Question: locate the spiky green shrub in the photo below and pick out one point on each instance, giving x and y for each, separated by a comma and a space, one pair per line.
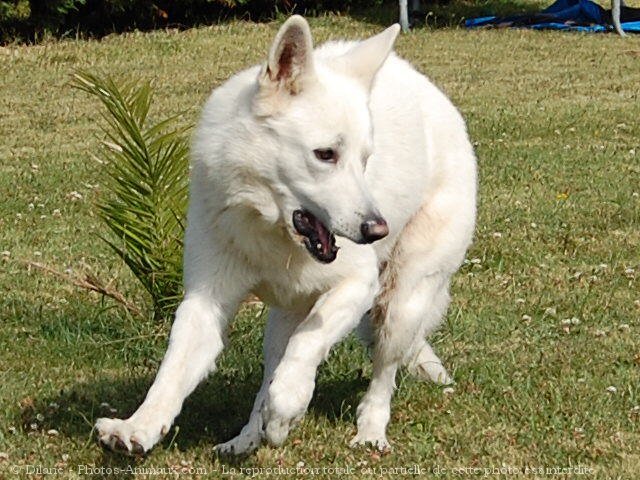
145, 185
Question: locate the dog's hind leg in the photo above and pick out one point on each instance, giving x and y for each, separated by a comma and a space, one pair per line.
280, 326
425, 364
413, 309
421, 360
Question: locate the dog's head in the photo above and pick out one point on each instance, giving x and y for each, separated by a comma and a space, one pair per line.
317, 112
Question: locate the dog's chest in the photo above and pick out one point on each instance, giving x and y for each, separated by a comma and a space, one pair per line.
293, 282
285, 297
284, 273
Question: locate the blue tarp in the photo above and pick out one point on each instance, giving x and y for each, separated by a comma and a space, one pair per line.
576, 15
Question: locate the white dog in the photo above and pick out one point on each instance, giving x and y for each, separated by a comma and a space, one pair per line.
299, 165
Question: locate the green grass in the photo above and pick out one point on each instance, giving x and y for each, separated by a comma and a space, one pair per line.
555, 120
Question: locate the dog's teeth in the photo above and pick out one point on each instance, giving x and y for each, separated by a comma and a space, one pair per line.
319, 246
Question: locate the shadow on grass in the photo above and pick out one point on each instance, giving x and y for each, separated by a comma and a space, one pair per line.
215, 412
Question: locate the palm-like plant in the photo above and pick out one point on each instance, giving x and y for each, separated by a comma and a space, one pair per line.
146, 167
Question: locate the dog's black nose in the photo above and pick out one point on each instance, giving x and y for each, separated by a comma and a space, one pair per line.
374, 229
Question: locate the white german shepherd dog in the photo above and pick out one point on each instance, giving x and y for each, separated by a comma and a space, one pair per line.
299, 165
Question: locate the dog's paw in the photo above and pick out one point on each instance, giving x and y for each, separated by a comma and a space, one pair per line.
376, 440
433, 371
426, 365
124, 436
244, 444
373, 416
277, 429
276, 423
286, 403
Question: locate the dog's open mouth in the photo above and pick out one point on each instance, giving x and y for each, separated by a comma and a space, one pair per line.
320, 242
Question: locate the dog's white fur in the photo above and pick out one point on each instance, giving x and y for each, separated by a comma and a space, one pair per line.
403, 153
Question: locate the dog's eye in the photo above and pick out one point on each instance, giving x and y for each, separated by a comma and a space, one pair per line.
326, 155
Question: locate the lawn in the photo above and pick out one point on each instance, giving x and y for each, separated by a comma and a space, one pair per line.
543, 333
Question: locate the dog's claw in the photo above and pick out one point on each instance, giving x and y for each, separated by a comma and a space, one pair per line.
244, 443
229, 449
380, 444
136, 448
224, 448
122, 437
120, 446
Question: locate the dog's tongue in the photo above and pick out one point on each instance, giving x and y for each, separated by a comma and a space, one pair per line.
323, 235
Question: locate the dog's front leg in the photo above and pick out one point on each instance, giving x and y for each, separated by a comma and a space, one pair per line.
196, 340
334, 315
215, 284
280, 326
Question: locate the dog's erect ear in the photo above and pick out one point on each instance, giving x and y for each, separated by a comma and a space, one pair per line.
365, 59
290, 57
290, 63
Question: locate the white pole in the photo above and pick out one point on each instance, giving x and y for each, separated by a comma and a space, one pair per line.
615, 14
404, 16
